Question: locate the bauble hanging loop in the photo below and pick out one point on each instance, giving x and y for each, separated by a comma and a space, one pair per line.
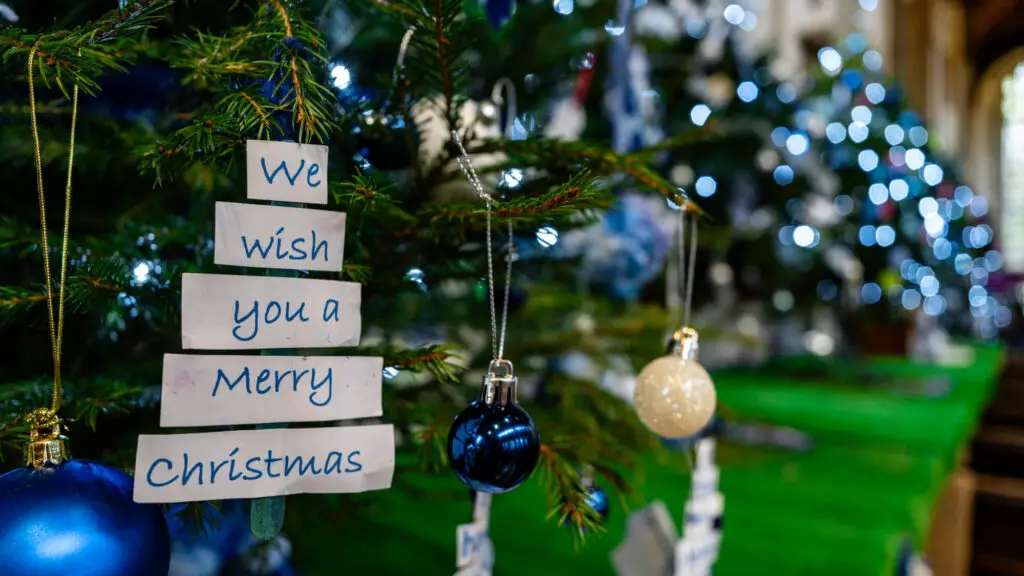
46, 446
675, 396
504, 389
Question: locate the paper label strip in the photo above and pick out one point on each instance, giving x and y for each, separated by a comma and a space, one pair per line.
260, 463
223, 312
227, 390
286, 172
279, 237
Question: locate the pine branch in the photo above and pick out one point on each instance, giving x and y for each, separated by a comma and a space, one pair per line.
561, 154
84, 53
570, 200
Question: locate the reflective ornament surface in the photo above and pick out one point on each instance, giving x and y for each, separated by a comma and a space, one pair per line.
493, 448
675, 396
78, 518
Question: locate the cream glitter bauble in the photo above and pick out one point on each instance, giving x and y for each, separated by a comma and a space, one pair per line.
675, 396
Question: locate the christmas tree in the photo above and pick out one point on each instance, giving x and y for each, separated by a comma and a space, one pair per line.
165, 112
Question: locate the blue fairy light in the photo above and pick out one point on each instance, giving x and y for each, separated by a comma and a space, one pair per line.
979, 276
547, 236
858, 132
564, 7
867, 160
942, 248
963, 196
951, 210
783, 175
830, 59
885, 235
1002, 317
898, 189
918, 136
930, 286
786, 92
749, 21
878, 194
871, 293
934, 305
699, 114
705, 186
786, 235
993, 260
897, 155
851, 79
894, 134
935, 225
911, 299
914, 159
875, 93
512, 178
805, 236
747, 91
908, 269
341, 78
867, 235
856, 42
734, 14
779, 136
869, 5
977, 296
979, 206
614, 28
872, 60
797, 143
843, 204
932, 174
861, 114
835, 132
962, 264
827, 290
696, 28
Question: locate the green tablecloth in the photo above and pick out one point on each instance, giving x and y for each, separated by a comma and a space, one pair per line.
871, 478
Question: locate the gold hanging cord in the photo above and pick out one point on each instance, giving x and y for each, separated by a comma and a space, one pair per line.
47, 445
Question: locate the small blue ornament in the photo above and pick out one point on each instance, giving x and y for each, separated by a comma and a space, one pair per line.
493, 445
499, 11
78, 518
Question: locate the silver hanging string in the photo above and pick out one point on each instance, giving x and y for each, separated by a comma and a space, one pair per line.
686, 270
402, 49
466, 165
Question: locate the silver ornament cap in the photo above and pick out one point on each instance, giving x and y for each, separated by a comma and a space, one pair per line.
500, 387
675, 396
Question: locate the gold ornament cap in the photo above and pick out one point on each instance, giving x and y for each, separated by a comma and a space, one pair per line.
503, 389
685, 343
46, 444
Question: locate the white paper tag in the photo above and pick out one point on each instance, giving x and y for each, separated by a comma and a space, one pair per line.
649, 544
697, 552
279, 237
224, 390
471, 544
286, 172
221, 312
259, 463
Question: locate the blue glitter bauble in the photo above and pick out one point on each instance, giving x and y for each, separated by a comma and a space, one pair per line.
493, 448
78, 518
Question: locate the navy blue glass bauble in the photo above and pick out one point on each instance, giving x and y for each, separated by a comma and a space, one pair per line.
78, 519
493, 448
598, 500
499, 11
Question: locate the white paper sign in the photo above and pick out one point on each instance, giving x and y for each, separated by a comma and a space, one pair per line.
697, 552
224, 390
221, 312
259, 463
472, 543
286, 172
279, 237
650, 541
